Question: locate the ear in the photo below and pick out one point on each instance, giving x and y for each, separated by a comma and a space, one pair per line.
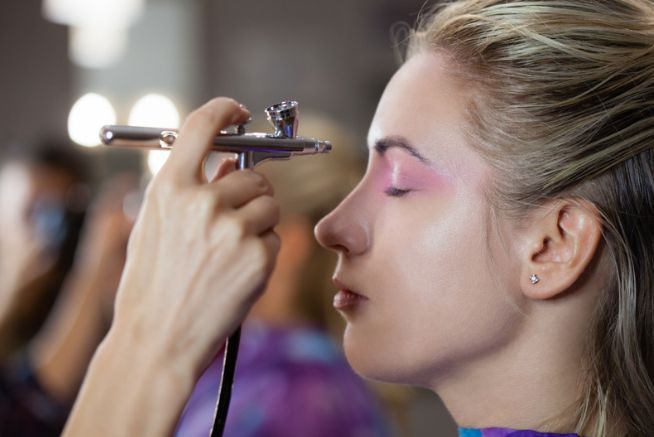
561, 240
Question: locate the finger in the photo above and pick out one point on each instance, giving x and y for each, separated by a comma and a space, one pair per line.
240, 187
260, 215
196, 136
225, 167
272, 244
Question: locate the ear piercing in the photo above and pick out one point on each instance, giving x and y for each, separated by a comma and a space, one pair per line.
534, 279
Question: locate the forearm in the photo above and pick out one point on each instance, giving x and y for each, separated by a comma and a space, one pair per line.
9, 293
63, 349
8, 285
130, 389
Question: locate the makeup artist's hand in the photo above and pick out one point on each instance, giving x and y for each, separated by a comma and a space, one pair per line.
198, 258
201, 250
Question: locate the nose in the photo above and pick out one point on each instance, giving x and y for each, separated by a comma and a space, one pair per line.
345, 230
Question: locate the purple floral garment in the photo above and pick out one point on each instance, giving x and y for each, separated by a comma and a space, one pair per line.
288, 382
507, 432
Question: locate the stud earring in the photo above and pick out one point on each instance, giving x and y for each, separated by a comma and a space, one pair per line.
534, 279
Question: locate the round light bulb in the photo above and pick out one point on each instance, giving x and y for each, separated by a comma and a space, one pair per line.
91, 13
88, 114
155, 110
96, 46
156, 160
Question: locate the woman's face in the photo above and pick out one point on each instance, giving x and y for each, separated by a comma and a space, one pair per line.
414, 239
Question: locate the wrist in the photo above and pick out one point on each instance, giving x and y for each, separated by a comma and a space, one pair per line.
146, 363
168, 336
132, 388
88, 269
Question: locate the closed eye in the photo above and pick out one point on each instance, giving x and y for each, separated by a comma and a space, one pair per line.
396, 192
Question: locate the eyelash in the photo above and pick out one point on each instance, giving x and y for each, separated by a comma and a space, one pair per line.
396, 192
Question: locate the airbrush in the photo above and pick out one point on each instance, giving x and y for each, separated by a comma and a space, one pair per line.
251, 149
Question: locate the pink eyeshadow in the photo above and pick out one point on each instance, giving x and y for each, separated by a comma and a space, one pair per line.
402, 171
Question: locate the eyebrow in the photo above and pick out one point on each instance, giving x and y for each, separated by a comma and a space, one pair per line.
383, 144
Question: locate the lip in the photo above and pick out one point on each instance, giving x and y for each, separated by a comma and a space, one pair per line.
346, 298
342, 285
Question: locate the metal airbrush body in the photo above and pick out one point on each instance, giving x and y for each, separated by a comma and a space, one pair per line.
251, 148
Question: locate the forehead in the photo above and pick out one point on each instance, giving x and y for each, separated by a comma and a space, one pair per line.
425, 102
422, 101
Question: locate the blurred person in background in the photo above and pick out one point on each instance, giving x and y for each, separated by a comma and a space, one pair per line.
291, 377
43, 196
40, 380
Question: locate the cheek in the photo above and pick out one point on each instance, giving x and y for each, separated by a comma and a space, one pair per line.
434, 295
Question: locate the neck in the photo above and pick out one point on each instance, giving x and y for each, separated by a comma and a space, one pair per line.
528, 383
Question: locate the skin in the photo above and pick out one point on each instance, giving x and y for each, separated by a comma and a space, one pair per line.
447, 302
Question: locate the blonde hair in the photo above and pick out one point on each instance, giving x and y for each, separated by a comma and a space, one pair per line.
563, 106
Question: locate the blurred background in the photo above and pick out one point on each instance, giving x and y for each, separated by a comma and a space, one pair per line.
71, 66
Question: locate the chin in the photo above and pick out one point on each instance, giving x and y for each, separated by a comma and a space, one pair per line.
376, 362
396, 361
